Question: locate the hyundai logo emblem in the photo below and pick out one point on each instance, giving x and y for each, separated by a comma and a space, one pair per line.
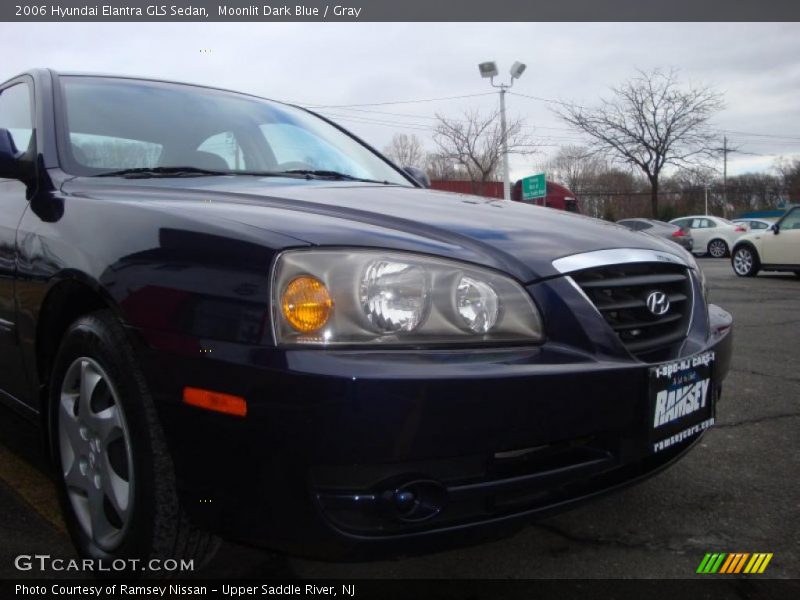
657, 303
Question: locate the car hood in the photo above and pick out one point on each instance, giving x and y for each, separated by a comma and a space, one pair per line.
520, 239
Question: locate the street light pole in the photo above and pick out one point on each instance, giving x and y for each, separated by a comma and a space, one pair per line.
725, 177
489, 70
506, 179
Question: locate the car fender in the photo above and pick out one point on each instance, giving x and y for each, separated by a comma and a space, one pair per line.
753, 239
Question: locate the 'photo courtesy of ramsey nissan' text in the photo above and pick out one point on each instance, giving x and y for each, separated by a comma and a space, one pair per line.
471, 304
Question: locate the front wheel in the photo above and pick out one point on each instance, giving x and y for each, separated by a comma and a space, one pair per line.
116, 479
717, 248
745, 262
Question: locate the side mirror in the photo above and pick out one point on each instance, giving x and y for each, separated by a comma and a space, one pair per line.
775, 228
11, 167
418, 175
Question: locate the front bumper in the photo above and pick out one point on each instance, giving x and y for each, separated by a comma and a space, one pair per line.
487, 439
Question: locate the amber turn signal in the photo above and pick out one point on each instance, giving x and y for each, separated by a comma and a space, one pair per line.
306, 303
216, 401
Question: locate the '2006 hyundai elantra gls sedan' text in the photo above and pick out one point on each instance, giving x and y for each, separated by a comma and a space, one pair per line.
233, 318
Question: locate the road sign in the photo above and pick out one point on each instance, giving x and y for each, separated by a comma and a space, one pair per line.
534, 187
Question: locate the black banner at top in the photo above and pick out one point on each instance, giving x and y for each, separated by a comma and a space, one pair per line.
401, 10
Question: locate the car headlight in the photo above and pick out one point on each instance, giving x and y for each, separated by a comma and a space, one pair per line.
339, 297
394, 295
478, 304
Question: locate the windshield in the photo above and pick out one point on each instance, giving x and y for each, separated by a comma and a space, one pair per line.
116, 124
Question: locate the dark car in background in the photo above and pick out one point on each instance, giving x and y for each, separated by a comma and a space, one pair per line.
674, 233
230, 317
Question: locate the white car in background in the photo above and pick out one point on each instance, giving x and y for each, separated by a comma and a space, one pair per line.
712, 235
754, 224
773, 249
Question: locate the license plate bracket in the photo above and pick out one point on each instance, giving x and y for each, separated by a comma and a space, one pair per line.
680, 400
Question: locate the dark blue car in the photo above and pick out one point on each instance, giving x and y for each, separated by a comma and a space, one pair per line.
230, 317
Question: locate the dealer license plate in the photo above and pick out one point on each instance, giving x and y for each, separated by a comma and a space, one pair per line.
681, 400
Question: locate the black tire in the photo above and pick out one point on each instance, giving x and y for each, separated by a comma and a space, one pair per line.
745, 261
717, 248
155, 526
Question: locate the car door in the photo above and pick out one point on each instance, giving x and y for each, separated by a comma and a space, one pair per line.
783, 248
16, 115
701, 233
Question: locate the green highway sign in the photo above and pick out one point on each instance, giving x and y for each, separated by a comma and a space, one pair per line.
534, 187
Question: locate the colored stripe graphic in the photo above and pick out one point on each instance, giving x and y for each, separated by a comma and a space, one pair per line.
727, 563
731, 560
703, 563
741, 562
711, 563
717, 563
755, 562
734, 562
762, 563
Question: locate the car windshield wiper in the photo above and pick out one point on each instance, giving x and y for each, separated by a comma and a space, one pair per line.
161, 172
332, 175
144, 172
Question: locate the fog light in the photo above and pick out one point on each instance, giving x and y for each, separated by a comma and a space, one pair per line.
306, 303
416, 501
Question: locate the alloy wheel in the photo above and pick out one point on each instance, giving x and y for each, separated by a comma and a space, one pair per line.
717, 248
743, 261
96, 454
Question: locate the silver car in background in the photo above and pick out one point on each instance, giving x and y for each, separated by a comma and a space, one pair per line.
675, 233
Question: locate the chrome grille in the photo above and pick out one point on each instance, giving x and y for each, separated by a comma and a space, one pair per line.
620, 293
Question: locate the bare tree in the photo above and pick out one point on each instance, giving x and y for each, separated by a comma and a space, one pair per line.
475, 143
405, 150
612, 193
442, 168
754, 191
650, 122
789, 173
575, 167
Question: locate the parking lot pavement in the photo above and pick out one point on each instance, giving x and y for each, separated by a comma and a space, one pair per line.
737, 491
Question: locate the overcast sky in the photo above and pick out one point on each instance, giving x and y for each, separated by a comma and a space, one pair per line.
755, 66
